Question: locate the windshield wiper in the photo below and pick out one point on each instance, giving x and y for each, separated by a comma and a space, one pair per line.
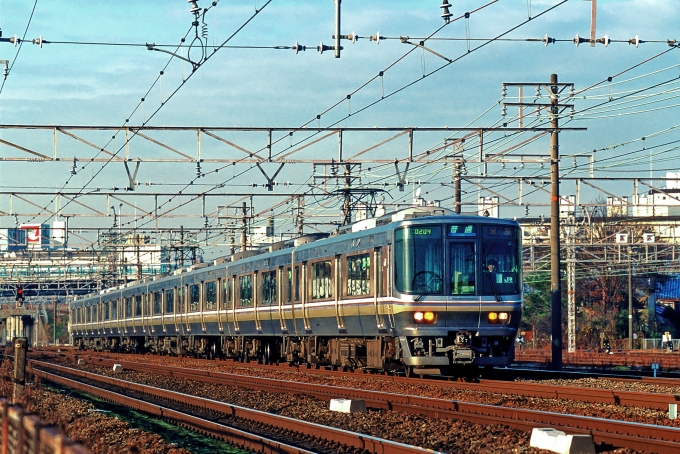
427, 287
493, 287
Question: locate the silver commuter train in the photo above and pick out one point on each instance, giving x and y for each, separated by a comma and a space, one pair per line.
422, 290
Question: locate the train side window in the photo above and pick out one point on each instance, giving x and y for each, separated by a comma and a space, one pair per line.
289, 285
322, 280
297, 283
157, 302
146, 298
179, 300
358, 274
194, 297
138, 305
230, 293
114, 309
245, 285
211, 295
222, 285
170, 301
128, 307
106, 311
269, 287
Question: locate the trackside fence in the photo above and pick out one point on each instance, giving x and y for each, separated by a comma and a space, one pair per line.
23, 433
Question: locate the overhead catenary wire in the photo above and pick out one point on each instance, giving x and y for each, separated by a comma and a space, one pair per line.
16, 55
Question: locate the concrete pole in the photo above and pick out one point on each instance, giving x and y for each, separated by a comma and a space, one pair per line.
555, 281
20, 349
630, 298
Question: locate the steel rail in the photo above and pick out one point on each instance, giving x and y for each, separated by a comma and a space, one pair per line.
302, 428
630, 435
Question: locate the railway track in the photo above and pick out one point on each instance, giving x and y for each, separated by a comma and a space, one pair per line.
642, 437
276, 434
655, 401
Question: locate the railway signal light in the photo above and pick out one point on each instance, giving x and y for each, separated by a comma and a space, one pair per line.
20, 294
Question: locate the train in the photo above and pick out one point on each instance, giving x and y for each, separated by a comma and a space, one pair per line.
422, 290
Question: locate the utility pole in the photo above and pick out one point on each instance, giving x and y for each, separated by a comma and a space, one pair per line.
571, 291
554, 89
630, 297
555, 281
299, 215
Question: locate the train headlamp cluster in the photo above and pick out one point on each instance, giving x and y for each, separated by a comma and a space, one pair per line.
425, 317
495, 318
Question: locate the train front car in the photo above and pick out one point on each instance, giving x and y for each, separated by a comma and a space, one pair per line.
458, 283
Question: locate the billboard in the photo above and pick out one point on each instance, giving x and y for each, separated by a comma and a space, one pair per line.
37, 235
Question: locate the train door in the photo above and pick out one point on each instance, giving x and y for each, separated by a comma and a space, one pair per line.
282, 292
221, 302
257, 300
374, 270
294, 293
304, 296
202, 303
338, 293
177, 309
164, 306
463, 278
236, 299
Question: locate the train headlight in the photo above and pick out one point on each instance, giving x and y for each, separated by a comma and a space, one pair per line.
427, 317
498, 318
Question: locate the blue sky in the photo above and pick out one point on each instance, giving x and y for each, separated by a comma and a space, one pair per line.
77, 84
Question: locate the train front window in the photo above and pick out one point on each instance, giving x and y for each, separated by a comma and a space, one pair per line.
418, 255
501, 255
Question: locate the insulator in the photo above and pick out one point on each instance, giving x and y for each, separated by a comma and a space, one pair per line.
298, 47
571, 112
578, 40
446, 15
538, 91
636, 41
194, 6
504, 111
504, 91
198, 169
604, 40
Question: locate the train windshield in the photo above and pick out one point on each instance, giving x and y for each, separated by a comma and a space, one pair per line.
501, 255
418, 254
